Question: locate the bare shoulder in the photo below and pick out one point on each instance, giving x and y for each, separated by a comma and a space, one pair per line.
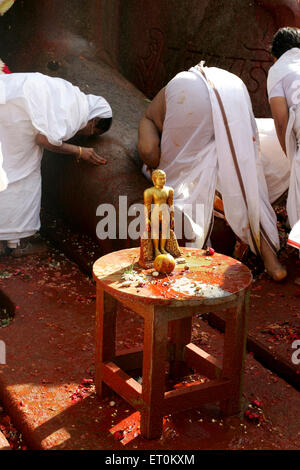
157, 109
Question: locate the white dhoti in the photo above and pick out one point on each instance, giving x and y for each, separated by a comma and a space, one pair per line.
275, 163
293, 153
30, 104
197, 158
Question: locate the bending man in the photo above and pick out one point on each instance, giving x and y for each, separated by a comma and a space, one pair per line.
37, 112
284, 96
201, 131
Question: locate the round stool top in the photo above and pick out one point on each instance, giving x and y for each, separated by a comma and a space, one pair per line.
200, 278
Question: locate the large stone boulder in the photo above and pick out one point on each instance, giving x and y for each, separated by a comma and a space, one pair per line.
96, 44
171, 36
63, 39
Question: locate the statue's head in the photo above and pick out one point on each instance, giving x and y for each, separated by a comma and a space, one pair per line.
284, 40
159, 177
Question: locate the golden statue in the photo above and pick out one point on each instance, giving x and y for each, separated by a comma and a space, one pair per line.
159, 237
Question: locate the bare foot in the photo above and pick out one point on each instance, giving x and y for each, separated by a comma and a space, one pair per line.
273, 267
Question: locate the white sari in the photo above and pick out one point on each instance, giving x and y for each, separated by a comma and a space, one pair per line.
32, 103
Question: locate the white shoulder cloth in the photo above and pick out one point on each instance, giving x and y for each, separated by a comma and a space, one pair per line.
287, 63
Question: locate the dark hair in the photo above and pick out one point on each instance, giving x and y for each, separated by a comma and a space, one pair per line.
284, 40
104, 124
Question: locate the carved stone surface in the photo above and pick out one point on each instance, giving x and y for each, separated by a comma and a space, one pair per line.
171, 36
149, 41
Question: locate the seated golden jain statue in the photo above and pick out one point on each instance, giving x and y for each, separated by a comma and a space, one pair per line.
159, 237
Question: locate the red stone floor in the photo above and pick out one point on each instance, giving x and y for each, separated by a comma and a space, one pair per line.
47, 391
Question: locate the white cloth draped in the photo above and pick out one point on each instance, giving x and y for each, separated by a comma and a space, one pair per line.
276, 165
57, 108
3, 176
188, 152
196, 156
32, 103
294, 236
289, 62
293, 153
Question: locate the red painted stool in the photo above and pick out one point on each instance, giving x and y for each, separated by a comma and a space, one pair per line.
167, 311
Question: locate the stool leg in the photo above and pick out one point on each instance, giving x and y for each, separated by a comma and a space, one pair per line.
154, 359
234, 353
106, 311
180, 332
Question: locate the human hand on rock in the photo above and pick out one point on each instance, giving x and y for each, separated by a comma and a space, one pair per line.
90, 155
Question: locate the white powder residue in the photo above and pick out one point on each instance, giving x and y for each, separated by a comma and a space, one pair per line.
134, 279
190, 287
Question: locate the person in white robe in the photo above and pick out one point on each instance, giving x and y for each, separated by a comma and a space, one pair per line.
284, 97
37, 112
200, 129
276, 166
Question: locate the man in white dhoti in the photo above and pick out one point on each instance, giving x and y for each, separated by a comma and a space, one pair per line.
284, 97
37, 112
201, 131
275, 164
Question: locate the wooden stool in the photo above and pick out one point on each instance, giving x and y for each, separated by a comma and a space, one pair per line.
167, 309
